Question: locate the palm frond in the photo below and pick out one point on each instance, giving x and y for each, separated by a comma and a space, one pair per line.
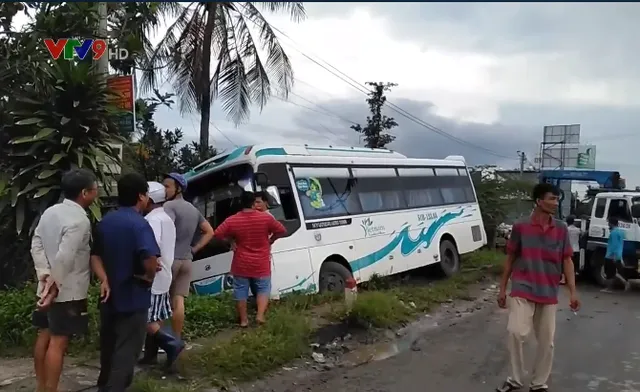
294, 8
155, 59
186, 63
278, 65
251, 62
219, 48
257, 77
233, 83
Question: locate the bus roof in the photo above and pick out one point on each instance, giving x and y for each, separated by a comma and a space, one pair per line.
302, 153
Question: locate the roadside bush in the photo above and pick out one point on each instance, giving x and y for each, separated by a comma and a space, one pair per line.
485, 259
17, 335
205, 315
16, 306
378, 309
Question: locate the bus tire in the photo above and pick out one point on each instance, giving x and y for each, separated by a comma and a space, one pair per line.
449, 258
333, 277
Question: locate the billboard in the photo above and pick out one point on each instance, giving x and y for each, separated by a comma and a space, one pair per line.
569, 156
122, 87
561, 134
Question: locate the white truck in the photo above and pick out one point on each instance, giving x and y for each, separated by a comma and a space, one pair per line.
624, 205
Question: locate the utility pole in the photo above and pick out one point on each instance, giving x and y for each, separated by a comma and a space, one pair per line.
523, 158
103, 62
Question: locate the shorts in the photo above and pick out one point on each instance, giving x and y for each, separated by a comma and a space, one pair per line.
160, 308
611, 267
68, 318
258, 286
181, 278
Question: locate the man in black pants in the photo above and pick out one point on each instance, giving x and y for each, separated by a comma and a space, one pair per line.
126, 245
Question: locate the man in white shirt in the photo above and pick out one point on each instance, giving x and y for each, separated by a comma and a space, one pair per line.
160, 310
574, 240
60, 249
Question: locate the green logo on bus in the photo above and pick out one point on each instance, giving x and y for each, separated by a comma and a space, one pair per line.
370, 229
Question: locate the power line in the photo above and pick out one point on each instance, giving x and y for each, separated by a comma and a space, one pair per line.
315, 111
223, 134
325, 109
358, 86
307, 107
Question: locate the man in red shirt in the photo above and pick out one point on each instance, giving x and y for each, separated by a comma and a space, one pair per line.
253, 232
538, 251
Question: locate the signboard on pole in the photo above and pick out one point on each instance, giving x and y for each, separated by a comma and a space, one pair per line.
569, 156
561, 134
123, 99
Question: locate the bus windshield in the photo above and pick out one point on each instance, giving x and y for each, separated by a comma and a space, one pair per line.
217, 195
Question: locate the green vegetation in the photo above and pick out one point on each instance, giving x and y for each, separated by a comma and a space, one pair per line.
376, 132
384, 303
237, 355
499, 198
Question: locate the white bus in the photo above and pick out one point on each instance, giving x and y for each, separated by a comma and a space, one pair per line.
349, 212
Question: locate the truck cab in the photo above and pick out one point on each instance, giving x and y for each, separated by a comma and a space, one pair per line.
624, 205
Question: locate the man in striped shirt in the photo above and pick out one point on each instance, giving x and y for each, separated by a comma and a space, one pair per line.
252, 232
538, 250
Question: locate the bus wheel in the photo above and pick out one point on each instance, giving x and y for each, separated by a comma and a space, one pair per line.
333, 276
449, 258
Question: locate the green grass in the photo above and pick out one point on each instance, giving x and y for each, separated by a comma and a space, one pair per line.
389, 302
145, 383
251, 353
205, 316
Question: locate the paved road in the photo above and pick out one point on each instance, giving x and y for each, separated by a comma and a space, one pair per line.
599, 350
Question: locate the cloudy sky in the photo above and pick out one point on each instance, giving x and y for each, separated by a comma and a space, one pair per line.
490, 74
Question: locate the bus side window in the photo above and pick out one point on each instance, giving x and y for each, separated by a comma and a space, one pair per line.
378, 189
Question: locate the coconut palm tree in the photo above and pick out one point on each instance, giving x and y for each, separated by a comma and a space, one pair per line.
250, 64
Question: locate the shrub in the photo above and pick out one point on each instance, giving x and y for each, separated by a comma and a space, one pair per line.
379, 309
251, 353
205, 315
16, 307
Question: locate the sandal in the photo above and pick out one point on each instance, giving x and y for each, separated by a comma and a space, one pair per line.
508, 387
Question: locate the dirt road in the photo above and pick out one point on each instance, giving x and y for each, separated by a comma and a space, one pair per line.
597, 350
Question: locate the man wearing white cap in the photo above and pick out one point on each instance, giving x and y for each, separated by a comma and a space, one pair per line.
165, 232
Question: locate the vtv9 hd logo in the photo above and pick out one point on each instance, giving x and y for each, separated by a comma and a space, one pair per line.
69, 48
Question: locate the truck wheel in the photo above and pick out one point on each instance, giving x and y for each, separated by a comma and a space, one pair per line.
333, 277
597, 270
449, 258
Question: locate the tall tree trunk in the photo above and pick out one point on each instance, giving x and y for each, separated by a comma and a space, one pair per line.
205, 102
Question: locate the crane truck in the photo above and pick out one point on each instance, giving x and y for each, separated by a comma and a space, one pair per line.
610, 199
